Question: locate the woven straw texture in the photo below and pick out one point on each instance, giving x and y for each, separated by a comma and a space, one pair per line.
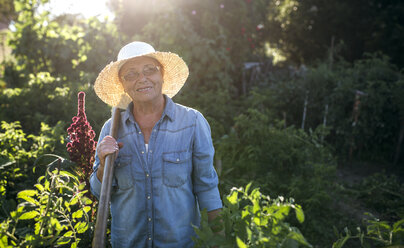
110, 90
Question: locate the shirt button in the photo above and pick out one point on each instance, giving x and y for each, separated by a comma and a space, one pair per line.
140, 132
178, 159
149, 238
142, 152
149, 219
148, 197
147, 175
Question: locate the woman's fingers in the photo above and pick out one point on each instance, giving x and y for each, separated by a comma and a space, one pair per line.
108, 145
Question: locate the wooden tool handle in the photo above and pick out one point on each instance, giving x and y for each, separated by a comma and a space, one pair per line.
106, 185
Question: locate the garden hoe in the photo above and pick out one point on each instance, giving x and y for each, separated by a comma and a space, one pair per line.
105, 195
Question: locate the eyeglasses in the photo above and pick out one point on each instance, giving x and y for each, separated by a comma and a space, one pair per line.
148, 70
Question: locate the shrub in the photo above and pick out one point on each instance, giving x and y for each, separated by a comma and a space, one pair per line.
55, 213
282, 161
251, 219
376, 233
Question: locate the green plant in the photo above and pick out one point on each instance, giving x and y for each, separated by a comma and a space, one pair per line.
282, 161
376, 234
251, 219
383, 194
18, 153
55, 213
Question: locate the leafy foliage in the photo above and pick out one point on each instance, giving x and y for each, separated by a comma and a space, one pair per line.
18, 153
304, 31
251, 219
382, 194
377, 234
54, 59
283, 161
54, 213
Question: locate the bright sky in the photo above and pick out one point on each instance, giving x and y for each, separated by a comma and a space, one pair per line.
86, 7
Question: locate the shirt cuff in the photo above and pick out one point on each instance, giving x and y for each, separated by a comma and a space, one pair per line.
209, 199
95, 185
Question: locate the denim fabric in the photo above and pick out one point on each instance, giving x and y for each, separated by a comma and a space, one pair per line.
158, 194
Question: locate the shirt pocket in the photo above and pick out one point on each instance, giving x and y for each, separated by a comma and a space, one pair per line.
123, 173
176, 168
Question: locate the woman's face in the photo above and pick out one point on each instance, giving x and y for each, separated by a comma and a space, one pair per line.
142, 79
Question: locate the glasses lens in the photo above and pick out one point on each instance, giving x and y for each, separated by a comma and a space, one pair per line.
131, 76
149, 70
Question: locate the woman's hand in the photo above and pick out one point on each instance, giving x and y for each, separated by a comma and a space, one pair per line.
108, 145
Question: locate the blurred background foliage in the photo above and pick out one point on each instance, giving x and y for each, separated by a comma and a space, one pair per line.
305, 98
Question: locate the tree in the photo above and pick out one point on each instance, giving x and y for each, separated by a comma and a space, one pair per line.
304, 30
7, 11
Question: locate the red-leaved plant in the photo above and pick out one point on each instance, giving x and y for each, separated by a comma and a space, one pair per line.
81, 146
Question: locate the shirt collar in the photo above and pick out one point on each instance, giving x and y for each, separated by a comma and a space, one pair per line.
168, 110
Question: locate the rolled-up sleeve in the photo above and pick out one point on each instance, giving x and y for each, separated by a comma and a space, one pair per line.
95, 184
205, 179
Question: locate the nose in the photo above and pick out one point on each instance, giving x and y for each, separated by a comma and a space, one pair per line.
141, 77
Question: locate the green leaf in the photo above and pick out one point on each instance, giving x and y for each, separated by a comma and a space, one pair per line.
244, 213
81, 227
233, 197
56, 224
25, 193
47, 184
63, 240
68, 234
74, 200
82, 186
39, 187
257, 221
86, 201
18, 6
281, 213
299, 213
87, 208
240, 243
29, 215
68, 174
247, 188
398, 224
27, 198
67, 205
37, 227
296, 235
78, 214
256, 207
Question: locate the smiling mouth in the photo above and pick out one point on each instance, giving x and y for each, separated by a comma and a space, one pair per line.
143, 89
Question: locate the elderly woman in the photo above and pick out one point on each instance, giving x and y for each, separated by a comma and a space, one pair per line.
164, 172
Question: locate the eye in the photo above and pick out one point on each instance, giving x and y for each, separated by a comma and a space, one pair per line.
150, 69
131, 76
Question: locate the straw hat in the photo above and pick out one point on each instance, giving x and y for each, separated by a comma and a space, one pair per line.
110, 90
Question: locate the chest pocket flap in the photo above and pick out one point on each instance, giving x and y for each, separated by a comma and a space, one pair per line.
177, 157
123, 172
177, 167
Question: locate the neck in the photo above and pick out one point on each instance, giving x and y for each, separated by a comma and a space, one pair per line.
155, 107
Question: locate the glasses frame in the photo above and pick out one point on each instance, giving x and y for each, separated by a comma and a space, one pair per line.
157, 67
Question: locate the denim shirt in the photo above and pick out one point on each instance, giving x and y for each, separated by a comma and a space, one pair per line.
158, 194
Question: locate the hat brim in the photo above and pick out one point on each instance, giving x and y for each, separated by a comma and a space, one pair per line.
109, 89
